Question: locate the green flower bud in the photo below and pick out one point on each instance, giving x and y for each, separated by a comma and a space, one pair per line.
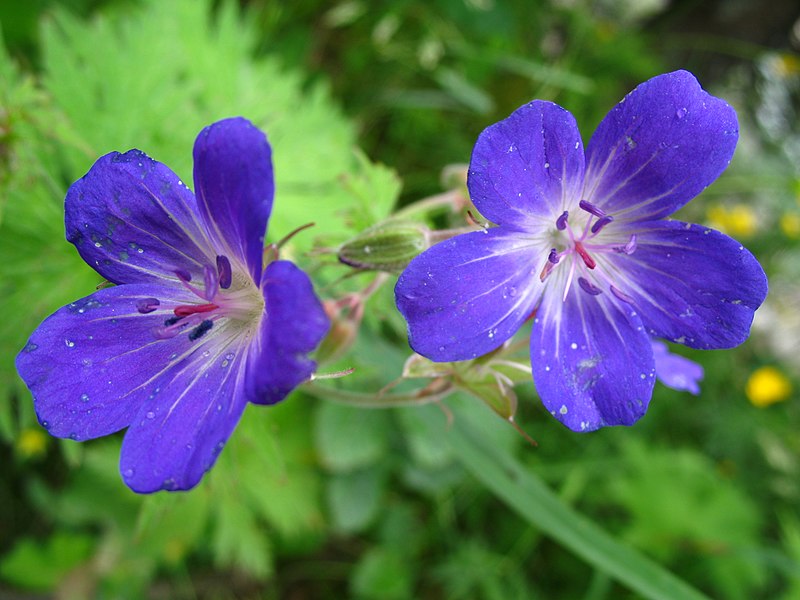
388, 246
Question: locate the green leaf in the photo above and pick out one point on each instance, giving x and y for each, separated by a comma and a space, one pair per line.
354, 499
382, 573
524, 492
39, 566
350, 438
238, 541
128, 96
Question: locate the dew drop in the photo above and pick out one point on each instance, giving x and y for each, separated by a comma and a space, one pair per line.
69, 343
84, 397
46, 424
563, 409
225, 363
30, 347
681, 112
128, 473
150, 415
574, 346
230, 355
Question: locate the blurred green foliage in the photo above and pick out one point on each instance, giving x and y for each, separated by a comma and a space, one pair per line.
311, 499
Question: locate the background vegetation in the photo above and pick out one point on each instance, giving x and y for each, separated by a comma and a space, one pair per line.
366, 103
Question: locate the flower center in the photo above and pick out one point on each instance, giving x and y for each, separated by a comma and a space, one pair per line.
224, 295
580, 250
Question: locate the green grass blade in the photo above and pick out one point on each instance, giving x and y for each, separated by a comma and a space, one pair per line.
523, 491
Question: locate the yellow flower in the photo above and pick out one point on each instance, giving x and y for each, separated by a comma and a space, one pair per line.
31, 443
767, 385
738, 220
790, 225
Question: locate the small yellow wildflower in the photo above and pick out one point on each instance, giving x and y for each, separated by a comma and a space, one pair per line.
790, 225
738, 220
767, 385
31, 443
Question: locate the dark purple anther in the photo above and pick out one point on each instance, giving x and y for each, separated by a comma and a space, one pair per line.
147, 305
183, 275
591, 208
561, 222
553, 257
588, 287
601, 222
225, 272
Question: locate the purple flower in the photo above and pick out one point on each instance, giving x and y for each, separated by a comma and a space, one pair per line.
582, 241
196, 326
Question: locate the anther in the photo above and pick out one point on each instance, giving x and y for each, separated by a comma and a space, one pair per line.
200, 330
628, 248
592, 208
588, 287
548, 267
191, 309
225, 272
553, 257
621, 295
601, 222
183, 275
147, 305
561, 222
587, 259
211, 282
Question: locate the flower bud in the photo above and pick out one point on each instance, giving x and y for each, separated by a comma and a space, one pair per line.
388, 246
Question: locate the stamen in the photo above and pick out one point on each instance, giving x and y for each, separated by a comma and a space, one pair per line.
147, 305
190, 309
587, 260
546, 270
211, 282
171, 321
601, 222
621, 295
630, 247
592, 208
588, 287
183, 275
561, 222
225, 272
553, 257
200, 330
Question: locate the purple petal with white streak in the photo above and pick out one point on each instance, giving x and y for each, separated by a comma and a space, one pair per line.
92, 365
467, 295
234, 185
592, 362
658, 148
174, 440
691, 284
133, 220
527, 166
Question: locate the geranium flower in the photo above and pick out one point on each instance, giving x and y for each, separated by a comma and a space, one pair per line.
582, 240
196, 326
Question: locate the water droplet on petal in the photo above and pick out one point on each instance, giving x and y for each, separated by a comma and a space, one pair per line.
84, 397
69, 343
150, 415
681, 112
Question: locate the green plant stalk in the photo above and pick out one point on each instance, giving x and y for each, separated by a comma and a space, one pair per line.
523, 491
